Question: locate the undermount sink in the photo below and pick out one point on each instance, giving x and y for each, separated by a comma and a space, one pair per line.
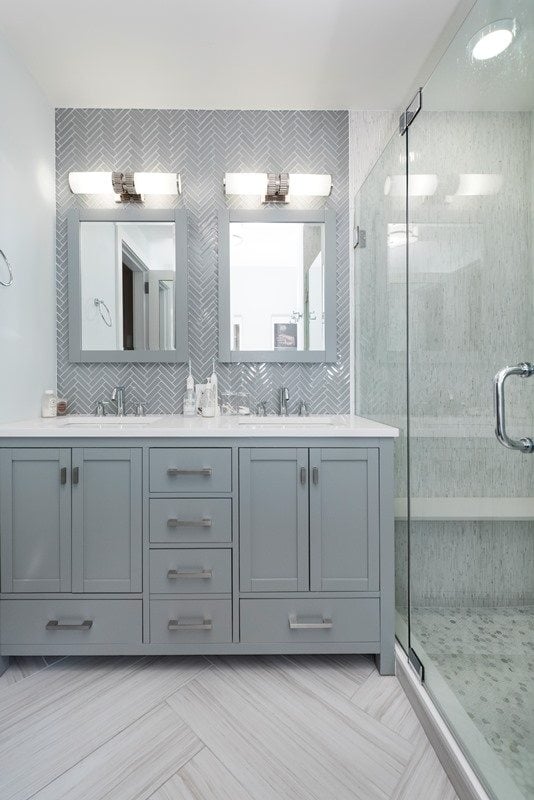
286, 421
101, 422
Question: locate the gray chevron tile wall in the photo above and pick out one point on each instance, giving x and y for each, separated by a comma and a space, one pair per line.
202, 146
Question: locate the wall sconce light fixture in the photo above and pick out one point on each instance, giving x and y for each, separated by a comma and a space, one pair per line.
130, 186
277, 187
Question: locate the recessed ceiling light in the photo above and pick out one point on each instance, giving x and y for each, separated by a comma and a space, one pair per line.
492, 39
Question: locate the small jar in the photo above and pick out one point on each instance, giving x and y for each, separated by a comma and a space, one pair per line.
61, 406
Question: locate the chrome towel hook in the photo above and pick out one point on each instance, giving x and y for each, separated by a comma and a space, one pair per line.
9, 270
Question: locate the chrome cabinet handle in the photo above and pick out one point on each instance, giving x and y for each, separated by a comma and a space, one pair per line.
303, 475
56, 625
205, 522
523, 370
315, 475
203, 574
180, 625
63, 475
76, 476
295, 625
206, 472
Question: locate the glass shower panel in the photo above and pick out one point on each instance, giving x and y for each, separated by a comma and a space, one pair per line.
470, 313
380, 343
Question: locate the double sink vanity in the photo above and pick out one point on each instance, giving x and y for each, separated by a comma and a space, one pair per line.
166, 534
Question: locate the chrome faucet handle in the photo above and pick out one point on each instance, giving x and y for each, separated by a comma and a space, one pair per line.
303, 409
100, 409
261, 408
140, 410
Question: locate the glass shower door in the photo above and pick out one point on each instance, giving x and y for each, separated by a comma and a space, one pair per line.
470, 313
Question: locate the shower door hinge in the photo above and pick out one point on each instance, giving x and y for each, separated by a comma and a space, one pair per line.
359, 237
416, 664
413, 109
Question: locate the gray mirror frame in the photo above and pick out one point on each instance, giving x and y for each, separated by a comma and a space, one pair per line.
128, 214
329, 354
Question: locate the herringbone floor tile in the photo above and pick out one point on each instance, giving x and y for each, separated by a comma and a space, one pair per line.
234, 728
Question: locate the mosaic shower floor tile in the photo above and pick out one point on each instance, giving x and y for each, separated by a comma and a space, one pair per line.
486, 656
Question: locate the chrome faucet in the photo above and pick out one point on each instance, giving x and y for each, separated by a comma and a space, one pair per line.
117, 397
284, 400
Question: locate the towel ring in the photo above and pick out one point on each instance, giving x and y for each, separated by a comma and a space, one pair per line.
105, 313
9, 270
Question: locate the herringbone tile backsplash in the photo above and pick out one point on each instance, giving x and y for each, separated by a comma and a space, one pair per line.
202, 146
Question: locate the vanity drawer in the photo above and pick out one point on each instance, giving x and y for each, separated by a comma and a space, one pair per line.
93, 622
190, 571
190, 520
280, 620
190, 469
190, 621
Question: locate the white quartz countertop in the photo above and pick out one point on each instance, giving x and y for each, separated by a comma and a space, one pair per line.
336, 426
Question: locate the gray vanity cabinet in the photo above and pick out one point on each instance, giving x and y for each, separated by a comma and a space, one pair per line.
344, 519
309, 519
70, 520
273, 519
107, 507
35, 520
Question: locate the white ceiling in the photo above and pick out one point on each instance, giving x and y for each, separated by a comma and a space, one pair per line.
224, 53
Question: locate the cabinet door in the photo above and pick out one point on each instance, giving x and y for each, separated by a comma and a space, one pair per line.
35, 516
273, 519
106, 520
344, 519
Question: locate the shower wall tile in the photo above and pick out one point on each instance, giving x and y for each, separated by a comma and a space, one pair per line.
471, 563
202, 146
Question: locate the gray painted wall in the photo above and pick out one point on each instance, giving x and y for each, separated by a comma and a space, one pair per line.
27, 219
202, 146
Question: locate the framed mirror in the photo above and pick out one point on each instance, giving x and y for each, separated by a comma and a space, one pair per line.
127, 285
277, 286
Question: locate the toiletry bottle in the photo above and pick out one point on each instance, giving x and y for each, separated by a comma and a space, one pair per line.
49, 403
215, 384
190, 405
208, 400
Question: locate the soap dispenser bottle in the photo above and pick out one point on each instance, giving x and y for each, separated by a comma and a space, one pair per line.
208, 400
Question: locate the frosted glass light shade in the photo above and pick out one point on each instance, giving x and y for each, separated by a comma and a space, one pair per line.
245, 183
157, 183
493, 39
90, 182
472, 184
309, 184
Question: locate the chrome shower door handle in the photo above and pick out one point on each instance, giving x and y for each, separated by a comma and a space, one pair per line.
523, 370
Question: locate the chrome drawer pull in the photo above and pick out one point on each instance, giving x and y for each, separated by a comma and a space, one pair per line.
206, 472
179, 625
204, 574
56, 625
205, 522
295, 625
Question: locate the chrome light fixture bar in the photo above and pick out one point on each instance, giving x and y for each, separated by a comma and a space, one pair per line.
275, 187
130, 186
